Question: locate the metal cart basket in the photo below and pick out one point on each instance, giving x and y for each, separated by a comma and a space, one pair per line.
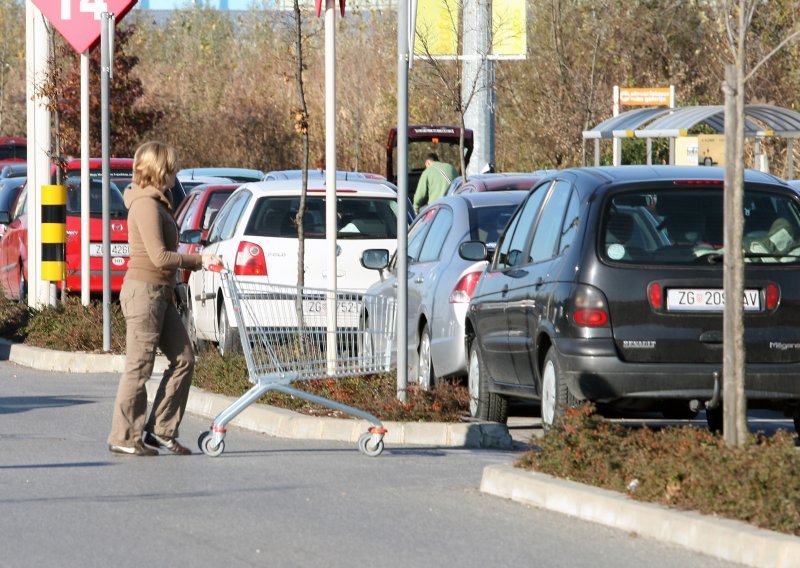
287, 337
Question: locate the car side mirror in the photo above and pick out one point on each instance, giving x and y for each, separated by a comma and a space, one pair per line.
5, 217
191, 237
375, 259
473, 250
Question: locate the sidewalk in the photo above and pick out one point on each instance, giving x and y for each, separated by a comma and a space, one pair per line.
728, 540
267, 419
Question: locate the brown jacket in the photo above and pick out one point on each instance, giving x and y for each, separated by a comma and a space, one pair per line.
153, 238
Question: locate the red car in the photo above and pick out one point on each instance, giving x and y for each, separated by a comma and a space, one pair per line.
13, 150
14, 245
196, 213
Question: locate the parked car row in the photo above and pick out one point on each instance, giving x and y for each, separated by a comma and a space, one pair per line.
607, 286
255, 234
14, 227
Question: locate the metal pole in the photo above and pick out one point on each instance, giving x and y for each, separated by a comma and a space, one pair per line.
85, 179
106, 21
402, 198
38, 130
478, 82
616, 143
330, 171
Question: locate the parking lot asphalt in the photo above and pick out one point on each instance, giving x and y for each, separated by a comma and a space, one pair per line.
728, 540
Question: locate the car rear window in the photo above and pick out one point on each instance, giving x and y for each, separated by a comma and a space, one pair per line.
686, 227
359, 218
489, 222
116, 204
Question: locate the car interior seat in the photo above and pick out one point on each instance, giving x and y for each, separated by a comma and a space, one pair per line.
685, 227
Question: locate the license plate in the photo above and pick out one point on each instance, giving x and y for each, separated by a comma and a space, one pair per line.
117, 249
320, 307
707, 300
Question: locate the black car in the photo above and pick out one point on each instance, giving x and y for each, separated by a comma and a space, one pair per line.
607, 286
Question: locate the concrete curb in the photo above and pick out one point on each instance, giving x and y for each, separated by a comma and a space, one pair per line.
728, 540
277, 422
283, 423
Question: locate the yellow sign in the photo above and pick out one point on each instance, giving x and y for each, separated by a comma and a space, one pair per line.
645, 97
437, 28
438, 24
509, 28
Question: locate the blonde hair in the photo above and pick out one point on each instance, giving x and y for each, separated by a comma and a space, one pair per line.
152, 163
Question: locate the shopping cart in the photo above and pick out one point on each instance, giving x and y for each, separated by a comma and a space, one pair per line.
287, 337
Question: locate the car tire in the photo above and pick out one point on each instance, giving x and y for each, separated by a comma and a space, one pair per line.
187, 315
23, 286
425, 377
714, 419
484, 405
228, 337
555, 395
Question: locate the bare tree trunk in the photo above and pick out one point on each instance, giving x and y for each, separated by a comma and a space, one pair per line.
733, 365
301, 126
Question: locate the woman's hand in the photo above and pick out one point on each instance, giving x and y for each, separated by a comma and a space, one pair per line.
210, 260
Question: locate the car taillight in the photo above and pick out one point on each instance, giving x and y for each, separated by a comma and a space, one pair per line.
590, 307
462, 293
655, 293
250, 260
773, 296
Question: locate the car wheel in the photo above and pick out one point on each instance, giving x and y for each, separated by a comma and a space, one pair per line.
714, 419
187, 315
483, 405
556, 397
228, 337
23, 286
425, 376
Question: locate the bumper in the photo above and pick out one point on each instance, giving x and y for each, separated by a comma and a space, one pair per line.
603, 377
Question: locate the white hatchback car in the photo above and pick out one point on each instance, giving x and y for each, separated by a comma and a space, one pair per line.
255, 234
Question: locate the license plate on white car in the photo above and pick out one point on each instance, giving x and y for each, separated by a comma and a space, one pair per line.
707, 300
117, 249
320, 307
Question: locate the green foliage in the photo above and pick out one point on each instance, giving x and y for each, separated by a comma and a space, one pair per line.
686, 467
71, 326
375, 394
130, 122
13, 317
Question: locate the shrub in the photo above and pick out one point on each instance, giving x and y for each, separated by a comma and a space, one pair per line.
375, 394
71, 326
683, 467
13, 317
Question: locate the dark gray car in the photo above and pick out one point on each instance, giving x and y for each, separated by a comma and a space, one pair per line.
607, 286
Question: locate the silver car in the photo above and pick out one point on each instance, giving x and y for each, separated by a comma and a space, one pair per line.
440, 282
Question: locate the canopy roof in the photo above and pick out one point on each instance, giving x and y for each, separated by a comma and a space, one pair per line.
662, 122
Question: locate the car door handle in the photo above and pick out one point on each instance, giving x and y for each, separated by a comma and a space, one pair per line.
505, 290
419, 279
204, 297
539, 282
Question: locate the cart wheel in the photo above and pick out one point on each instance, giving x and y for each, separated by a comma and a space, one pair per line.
204, 441
366, 448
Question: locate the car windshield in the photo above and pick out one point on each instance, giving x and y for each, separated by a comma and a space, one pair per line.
116, 204
686, 227
489, 223
359, 218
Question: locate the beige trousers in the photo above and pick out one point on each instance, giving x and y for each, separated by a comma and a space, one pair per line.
152, 321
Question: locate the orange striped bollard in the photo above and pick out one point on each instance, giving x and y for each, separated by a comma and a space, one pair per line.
54, 232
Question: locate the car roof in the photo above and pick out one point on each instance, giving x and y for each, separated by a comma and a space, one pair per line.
489, 198
372, 188
211, 187
236, 174
507, 181
315, 173
634, 173
204, 179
